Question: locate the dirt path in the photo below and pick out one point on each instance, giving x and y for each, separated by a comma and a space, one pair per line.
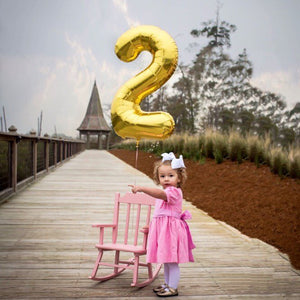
253, 200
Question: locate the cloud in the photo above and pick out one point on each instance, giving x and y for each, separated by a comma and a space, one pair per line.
285, 83
67, 87
122, 6
63, 86
20, 78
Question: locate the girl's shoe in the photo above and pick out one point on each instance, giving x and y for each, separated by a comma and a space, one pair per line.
168, 292
160, 288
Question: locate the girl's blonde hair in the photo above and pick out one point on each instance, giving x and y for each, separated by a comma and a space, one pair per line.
181, 172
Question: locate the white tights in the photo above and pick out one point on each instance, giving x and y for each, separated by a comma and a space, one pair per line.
172, 274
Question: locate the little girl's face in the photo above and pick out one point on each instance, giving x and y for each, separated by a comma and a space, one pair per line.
167, 176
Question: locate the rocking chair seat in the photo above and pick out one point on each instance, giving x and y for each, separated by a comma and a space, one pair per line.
121, 247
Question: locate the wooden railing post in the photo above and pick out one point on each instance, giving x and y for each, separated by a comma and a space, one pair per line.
55, 153
66, 149
46, 157
14, 164
61, 150
34, 154
14, 158
39, 163
47, 151
107, 141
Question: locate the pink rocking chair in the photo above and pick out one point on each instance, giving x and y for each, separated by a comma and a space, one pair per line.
134, 203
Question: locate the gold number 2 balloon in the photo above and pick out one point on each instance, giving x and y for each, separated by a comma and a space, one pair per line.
127, 117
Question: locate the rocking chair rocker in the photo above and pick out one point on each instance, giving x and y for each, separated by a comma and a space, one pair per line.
129, 244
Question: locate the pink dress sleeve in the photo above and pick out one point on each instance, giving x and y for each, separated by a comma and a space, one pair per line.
173, 194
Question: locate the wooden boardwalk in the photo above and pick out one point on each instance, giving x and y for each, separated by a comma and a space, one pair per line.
47, 244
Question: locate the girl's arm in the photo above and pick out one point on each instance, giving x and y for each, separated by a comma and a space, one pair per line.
153, 192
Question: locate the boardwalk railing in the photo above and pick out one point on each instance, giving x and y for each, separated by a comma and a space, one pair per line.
23, 158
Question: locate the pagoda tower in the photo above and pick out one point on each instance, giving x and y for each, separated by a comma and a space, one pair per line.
94, 122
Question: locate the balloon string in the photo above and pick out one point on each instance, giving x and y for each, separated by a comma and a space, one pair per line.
136, 157
136, 165
136, 153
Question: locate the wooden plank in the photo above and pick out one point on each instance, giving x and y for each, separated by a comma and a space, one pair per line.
47, 243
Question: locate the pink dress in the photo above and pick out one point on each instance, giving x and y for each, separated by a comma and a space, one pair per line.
169, 239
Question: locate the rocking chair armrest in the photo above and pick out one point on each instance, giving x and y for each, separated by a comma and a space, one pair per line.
145, 230
104, 225
101, 227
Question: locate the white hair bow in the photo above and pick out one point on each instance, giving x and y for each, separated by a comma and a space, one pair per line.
176, 163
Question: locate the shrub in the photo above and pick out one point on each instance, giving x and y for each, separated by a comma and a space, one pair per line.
201, 143
178, 143
151, 146
294, 163
129, 144
218, 156
167, 145
209, 144
220, 147
256, 150
191, 147
237, 147
279, 162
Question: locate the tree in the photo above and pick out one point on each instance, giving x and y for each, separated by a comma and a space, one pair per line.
226, 120
217, 32
189, 97
215, 92
245, 121
263, 125
286, 137
210, 71
158, 102
239, 75
272, 106
227, 98
176, 107
290, 126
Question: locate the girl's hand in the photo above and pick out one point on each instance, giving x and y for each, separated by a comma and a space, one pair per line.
134, 188
153, 192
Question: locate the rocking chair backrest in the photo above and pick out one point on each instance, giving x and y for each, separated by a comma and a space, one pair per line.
134, 203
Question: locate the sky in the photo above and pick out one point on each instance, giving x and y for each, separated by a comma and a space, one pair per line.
52, 51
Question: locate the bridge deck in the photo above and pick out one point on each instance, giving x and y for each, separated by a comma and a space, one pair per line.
47, 243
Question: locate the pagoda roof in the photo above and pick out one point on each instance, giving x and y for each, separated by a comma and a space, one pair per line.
94, 119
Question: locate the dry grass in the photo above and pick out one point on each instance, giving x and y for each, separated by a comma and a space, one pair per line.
220, 146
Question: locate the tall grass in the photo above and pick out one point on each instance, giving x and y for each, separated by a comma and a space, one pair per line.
257, 149
220, 146
237, 147
279, 161
294, 162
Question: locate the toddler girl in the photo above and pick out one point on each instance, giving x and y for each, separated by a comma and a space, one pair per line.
169, 239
